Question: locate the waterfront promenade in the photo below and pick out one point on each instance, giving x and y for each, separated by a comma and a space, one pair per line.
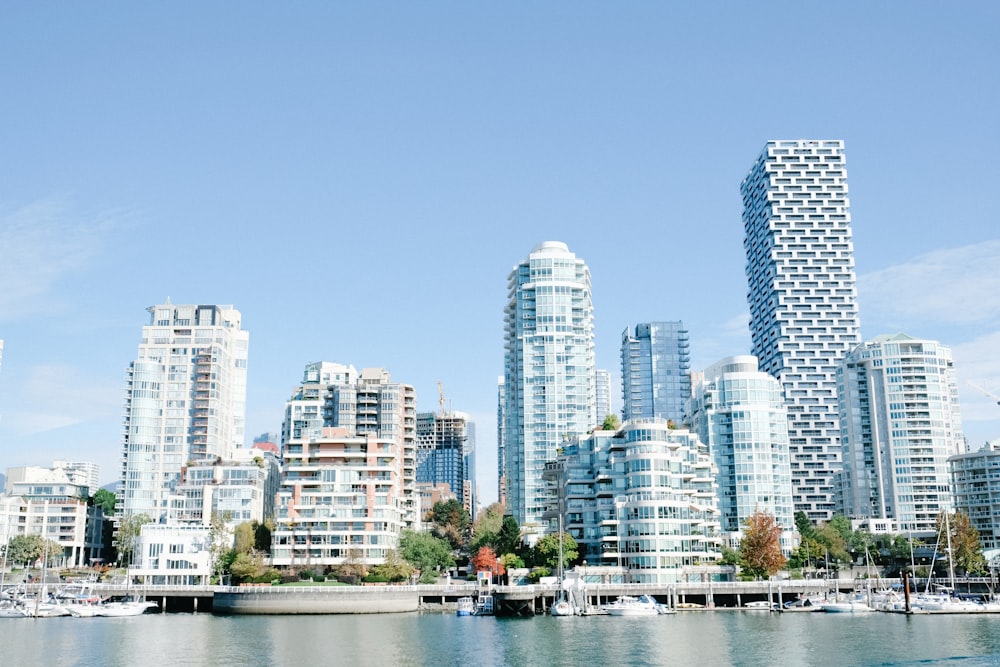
508, 600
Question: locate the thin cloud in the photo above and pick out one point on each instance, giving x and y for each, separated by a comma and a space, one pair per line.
952, 286
42, 244
977, 363
78, 400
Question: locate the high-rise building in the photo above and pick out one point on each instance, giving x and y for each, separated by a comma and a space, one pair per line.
803, 299
185, 399
641, 503
549, 372
899, 422
975, 480
656, 366
446, 445
501, 422
349, 493
304, 410
739, 413
602, 396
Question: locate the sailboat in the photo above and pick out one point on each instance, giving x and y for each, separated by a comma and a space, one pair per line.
562, 606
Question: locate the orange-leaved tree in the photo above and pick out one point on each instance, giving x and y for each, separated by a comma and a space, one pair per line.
760, 546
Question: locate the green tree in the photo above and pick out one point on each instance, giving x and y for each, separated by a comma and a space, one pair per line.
129, 528
966, 551
760, 547
262, 535
730, 556
427, 553
243, 538
803, 524
832, 540
546, 551
245, 566
511, 561
509, 538
808, 554
611, 423
451, 522
487, 527
106, 500
393, 569
220, 539
27, 549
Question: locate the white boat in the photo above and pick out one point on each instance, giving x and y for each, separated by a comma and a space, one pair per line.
759, 605
11, 609
852, 605
133, 607
466, 606
626, 605
562, 607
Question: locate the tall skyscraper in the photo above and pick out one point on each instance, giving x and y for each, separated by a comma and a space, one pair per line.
185, 400
900, 423
446, 446
803, 300
656, 365
602, 398
739, 413
549, 372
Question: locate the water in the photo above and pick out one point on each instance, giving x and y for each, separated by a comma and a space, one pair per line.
715, 638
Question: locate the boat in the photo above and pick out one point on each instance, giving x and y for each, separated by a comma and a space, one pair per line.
627, 605
79, 599
125, 607
851, 605
759, 605
466, 606
562, 607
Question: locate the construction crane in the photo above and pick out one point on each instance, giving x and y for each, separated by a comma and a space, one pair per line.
441, 397
988, 393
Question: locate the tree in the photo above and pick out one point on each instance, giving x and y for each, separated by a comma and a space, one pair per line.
966, 551
760, 547
833, 542
220, 539
393, 569
451, 522
486, 560
546, 551
243, 538
106, 500
129, 528
803, 524
611, 423
30, 548
808, 554
486, 527
262, 535
509, 538
245, 566
427, 553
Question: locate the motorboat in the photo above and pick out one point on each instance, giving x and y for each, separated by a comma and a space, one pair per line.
627, 605
466, 606
125, 607
852, 605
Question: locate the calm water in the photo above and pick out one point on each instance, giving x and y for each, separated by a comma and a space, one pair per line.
719, 638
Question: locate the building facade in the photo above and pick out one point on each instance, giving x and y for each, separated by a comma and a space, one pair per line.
656, 367
739, 413
549, 382
446, 454
185, 400
642, 500
347, 495
803, 299
900, 423
602, 396
51, 503
304, 410
975, 479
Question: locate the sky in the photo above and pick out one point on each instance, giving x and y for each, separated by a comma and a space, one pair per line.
358, 179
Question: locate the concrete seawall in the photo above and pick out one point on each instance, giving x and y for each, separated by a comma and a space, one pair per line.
316, 600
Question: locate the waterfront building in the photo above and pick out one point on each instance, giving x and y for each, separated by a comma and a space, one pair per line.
501, 440
304, 410
549, 383
446, 446
643, 500
51, 503
975, 480
656, 366
173, 555
900, 422
803, 299
185, 400
602, 396
739, 413
238, 490
348, 494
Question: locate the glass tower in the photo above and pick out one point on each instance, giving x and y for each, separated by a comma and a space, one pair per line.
549, 384
739, 412
185, 400
656, 365
803, 300
899, 424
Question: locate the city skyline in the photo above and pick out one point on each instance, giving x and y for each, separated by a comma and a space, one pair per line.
411, 157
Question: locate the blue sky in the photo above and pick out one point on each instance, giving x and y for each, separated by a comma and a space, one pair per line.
359, 178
